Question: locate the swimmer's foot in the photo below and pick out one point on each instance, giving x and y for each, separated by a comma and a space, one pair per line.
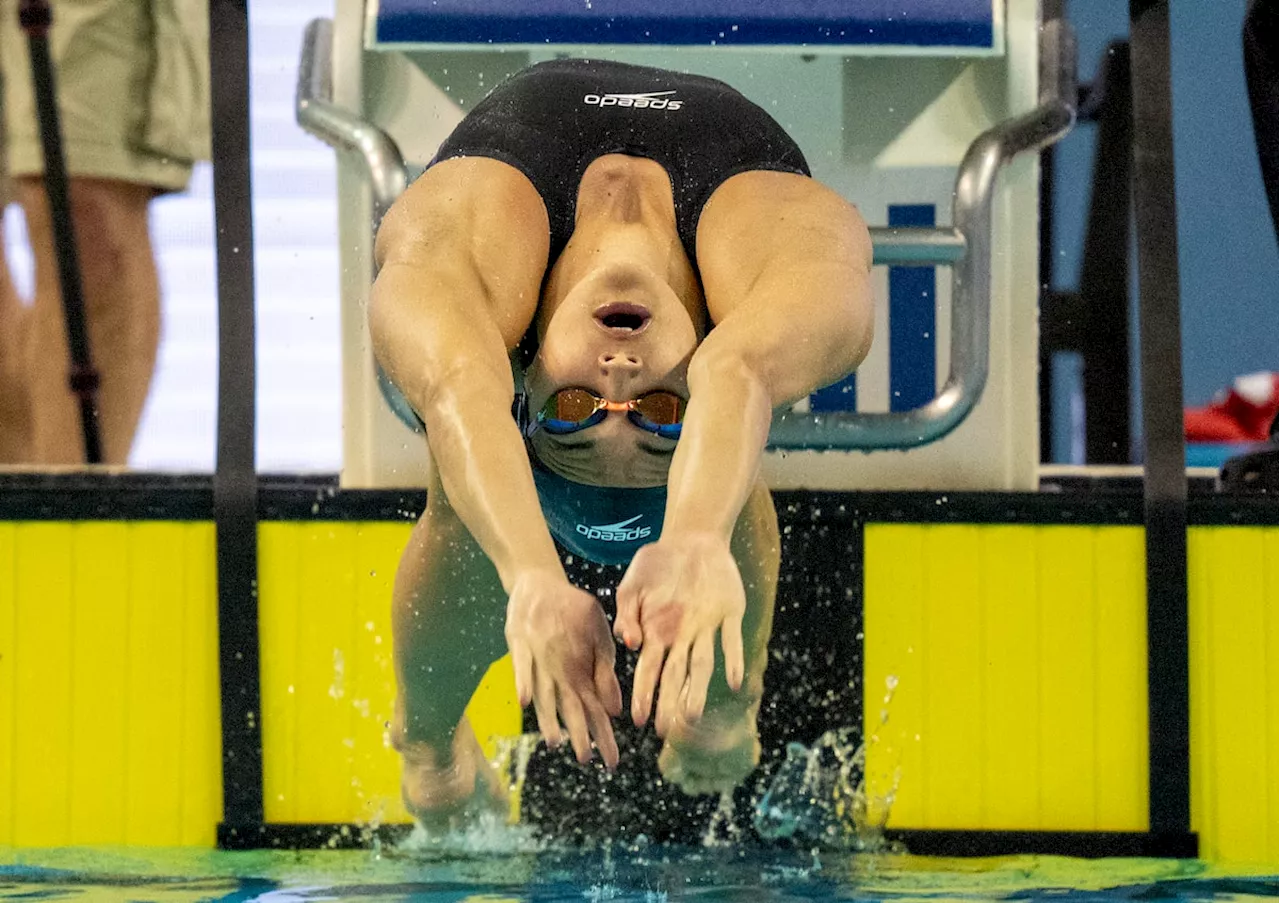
713, 754
442, 791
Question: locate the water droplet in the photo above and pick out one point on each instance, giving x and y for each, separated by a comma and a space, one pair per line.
336, 689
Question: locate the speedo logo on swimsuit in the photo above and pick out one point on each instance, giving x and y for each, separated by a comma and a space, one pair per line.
654, 100
619, 532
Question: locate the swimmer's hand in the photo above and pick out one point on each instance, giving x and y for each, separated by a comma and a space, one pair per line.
563, 656
676, 594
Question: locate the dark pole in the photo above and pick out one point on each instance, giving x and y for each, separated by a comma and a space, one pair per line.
235, 485
1165, 481
1259, 41
35, 17
1045, 378
1104, 269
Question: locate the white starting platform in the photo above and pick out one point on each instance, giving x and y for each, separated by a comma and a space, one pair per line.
924, 113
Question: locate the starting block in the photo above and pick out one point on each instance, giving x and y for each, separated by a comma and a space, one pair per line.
925, 114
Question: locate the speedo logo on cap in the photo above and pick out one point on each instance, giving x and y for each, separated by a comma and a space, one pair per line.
619, 532
654, 100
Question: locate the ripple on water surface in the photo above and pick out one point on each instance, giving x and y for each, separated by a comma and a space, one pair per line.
507, 865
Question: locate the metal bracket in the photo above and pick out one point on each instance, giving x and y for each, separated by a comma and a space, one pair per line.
341, 129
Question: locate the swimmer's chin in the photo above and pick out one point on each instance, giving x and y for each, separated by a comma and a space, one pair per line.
645, 475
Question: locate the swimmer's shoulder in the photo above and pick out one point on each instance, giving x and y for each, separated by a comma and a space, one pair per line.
470, 202
472, 234
757, 219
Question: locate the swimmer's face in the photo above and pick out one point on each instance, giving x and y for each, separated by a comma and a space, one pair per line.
618, 334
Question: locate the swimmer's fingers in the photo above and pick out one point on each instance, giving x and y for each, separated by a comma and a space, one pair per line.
626, 626
544, 706
602, 731
701, 663
607, 688
672, 689
522, 662
647, 670
575, 722
731, 644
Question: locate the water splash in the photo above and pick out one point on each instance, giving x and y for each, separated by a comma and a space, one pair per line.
819, 794
723, 830
484, 831
512, 759
337, 688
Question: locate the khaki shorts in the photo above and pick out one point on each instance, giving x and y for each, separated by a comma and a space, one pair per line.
133, 89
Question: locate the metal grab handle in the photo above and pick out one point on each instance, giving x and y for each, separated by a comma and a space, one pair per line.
916, 246
971, 275
965, 247
340, 129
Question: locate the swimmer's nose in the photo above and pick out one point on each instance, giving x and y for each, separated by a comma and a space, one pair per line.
619, 369
612, 360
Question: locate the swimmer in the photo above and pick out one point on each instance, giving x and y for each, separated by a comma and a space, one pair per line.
594, 298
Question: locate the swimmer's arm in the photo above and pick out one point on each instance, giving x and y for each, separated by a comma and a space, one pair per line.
457, 285
785, 264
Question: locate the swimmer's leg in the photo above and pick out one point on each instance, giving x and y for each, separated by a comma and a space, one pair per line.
448, 612
715, 753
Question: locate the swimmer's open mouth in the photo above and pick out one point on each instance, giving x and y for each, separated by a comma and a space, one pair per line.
623, 319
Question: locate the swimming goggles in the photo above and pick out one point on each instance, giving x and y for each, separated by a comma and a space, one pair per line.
574, 409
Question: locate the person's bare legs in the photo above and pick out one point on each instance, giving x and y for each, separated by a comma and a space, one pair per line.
15, 403
715, 753
448, 617
122, 308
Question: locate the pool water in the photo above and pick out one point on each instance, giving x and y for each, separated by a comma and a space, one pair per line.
798, 844
461, 873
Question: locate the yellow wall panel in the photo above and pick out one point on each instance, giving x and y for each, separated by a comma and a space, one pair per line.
328, 673
42, 692
894, 690
1121, 763
200, 725
1013, 660
953, 637
8, 689
494, 711
376, 775
112, 663
1269, 563
154, 686
100, 692
1065, 599
1010, 678
277, 637
325, 584
1233, 590
994, 635
308, 587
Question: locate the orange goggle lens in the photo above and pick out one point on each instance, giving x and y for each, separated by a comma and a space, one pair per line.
575, 409
662, 408
571, 405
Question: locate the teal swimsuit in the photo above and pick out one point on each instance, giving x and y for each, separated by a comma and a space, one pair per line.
603, 524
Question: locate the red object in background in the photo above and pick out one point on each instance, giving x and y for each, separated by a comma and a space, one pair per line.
1244, 413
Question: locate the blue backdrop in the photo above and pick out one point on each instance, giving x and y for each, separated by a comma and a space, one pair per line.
965, 23
1227, 251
